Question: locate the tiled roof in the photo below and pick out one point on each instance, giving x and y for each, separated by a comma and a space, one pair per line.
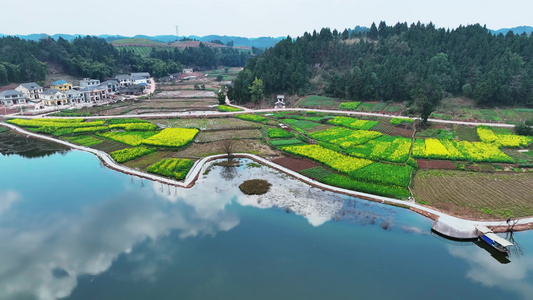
31, 86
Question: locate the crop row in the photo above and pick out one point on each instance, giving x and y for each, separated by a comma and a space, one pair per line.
345, 137
134, 138
172, 167
349, 105
90, 129
388, 148
459, 150
172, 137
336, 161
279, 133
367, 187
84, 140
300, 124
128, 154
135, 126
353, 123
253, 118
227, 108
288, 142
398, 121
504, 140
58, 123
126, 121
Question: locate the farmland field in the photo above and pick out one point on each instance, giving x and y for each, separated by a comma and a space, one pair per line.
211, 136
318, 102
207, 123
478, 195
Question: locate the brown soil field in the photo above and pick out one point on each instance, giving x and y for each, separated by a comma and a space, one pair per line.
196, 151
207, 123
435, 164
476, 195
295, 164
393, 130
185, 94
211, 136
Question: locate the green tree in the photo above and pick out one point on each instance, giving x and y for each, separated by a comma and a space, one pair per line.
256, 90
221, 97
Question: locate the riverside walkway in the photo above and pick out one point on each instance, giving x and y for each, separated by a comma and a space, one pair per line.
454, 225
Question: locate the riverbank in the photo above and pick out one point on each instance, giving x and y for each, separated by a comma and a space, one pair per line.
198, 167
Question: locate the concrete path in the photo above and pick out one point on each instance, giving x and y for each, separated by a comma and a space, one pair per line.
247, 111
197, 167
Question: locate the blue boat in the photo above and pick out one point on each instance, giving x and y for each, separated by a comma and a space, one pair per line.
492, 239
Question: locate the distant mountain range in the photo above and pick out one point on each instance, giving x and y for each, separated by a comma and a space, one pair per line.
260, 42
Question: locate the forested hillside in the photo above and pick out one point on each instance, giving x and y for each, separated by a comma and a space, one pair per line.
24, 60
417, 63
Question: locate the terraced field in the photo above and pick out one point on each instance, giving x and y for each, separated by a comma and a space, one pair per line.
480, 195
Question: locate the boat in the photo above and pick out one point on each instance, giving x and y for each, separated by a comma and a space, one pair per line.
492, 239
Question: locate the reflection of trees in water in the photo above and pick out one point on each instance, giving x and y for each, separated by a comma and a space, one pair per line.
16, 144
516, 250
228, 173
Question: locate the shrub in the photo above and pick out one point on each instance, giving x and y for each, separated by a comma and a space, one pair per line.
255, 187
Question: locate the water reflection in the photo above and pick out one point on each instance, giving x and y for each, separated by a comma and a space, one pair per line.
484, 269
16, 144
44, 255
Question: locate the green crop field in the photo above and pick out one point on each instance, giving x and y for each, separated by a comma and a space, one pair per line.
318, 101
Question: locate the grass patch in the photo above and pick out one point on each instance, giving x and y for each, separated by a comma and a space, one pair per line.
318, 101
84, 140
255, 187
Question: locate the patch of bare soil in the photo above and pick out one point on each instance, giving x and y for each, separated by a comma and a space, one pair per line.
185, 94
435, 164
476, 195
295, 164
196, 151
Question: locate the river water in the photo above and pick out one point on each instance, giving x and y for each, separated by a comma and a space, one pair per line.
72, 229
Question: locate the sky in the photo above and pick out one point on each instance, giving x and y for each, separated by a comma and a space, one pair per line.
249, 18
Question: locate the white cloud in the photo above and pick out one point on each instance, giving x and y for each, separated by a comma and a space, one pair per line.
7, 198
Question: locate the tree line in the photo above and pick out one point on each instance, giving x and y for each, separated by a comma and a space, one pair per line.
419, 64
26, 61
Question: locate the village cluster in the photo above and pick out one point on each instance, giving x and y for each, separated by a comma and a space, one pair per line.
89, 91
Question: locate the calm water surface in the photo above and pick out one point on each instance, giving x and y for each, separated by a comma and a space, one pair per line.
73, 229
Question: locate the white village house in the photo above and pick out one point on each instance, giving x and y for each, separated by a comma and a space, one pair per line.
95, 93
75, 97
12, 97
88, 82
53, 97
31, 90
